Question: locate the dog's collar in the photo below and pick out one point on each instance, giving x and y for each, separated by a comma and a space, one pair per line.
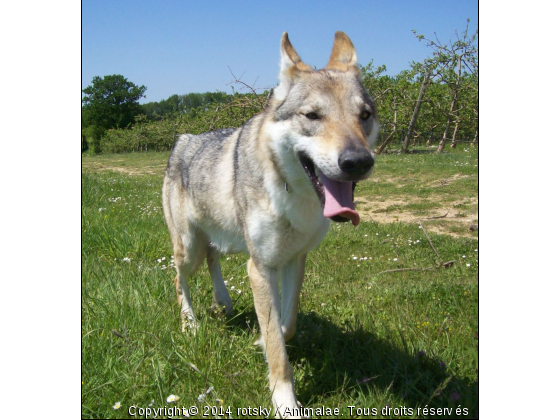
279, 172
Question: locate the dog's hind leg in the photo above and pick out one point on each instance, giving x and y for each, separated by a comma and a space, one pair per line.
291, 277
264, 282
221, 298
189, 247
188, 256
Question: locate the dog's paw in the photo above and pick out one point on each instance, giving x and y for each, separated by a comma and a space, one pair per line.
189, 327
285, 404
222, 310
293, 413
188, 323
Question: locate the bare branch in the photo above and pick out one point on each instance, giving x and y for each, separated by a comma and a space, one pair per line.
433, 267
430, 241
436, 217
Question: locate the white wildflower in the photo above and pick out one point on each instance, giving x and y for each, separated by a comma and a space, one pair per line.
172, 398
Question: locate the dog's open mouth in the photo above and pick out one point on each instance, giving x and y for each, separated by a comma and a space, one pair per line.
336, 197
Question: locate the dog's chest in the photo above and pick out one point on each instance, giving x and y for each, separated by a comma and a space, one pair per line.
276, 240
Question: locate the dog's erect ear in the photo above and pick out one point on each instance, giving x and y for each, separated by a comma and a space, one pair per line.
290, 66
343, 55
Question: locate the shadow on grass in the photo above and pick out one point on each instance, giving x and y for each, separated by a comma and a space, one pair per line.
357, 362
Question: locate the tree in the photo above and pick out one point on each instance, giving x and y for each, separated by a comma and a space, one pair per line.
184, 104
110, 102
386, 93
416, 112
456, 61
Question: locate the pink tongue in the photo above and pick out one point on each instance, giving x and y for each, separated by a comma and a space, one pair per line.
338, 199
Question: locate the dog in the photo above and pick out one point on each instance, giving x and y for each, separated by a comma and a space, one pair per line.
270, 188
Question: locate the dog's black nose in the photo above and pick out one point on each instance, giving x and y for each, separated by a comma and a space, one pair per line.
355, 162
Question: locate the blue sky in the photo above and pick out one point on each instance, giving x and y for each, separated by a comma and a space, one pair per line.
179, 47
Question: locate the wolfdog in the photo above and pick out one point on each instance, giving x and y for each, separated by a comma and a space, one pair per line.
270, 188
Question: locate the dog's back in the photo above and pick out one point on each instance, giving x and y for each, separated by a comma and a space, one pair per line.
194, 156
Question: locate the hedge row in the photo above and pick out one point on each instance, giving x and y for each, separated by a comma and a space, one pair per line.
147, 135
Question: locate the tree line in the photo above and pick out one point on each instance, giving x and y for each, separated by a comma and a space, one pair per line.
177, 105
434, 102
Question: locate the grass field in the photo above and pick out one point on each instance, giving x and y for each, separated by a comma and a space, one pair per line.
382, 323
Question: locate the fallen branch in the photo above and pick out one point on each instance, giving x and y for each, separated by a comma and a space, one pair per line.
436, 217
433, 267
406, 269
430, 241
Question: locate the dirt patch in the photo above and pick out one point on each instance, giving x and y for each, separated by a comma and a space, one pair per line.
446, 181
453, 218
144, 170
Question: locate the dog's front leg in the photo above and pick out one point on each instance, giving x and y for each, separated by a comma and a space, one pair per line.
291, 279
264, 282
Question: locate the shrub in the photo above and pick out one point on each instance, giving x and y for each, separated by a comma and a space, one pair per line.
160, 135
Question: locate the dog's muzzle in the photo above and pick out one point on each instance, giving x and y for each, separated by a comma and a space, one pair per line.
355, 162
337, 197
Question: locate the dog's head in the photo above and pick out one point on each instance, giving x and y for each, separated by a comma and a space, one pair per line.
327, 122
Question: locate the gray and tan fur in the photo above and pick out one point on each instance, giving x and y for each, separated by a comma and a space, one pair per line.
269, 188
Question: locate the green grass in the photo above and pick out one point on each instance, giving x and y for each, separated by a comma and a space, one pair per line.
365, 338
425, 185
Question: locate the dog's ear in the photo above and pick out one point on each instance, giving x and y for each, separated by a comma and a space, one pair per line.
343, 55
290, 66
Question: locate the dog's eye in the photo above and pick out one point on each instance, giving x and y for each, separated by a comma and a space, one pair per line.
312, 115
365, 115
